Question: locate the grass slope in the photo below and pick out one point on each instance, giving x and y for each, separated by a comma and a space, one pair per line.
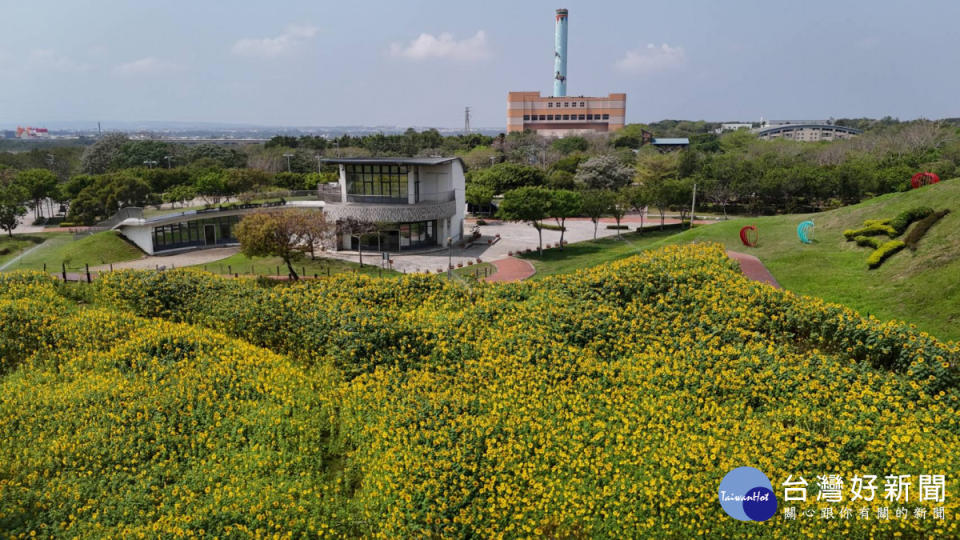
264, 266
920, 287
593, 252
101, 248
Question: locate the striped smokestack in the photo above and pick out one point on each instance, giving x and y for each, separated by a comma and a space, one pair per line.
560, 55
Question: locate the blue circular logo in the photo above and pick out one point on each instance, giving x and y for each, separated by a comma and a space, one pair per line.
747, 494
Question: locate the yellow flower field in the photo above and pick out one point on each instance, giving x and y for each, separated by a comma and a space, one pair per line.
606, 403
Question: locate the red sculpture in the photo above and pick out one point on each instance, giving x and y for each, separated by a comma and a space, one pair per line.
923, 178
748, 239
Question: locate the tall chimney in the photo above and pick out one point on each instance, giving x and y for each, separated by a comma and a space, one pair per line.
560, 55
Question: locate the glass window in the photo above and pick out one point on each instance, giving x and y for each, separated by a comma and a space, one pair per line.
581, 117
566, 117
526, 117
549, 117
549, 104
582, 104
589, 117
542, 117
606, 117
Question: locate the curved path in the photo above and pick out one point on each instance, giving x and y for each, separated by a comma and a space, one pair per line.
511, 269
753, 268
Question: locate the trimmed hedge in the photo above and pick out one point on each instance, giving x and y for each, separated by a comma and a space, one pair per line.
905, 218
552, 227
868, 241
870, 230
620, 227
884, 252
922, 227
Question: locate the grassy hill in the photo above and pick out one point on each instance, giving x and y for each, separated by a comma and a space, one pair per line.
921, 287
101, 248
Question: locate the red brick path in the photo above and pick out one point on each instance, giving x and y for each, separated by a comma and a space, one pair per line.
753, 268
511, 269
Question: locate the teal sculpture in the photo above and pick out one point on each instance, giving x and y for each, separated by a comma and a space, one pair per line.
805, 231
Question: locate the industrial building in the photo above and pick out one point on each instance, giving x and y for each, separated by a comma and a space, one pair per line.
559, 114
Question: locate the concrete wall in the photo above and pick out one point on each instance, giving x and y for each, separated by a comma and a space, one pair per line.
141, 235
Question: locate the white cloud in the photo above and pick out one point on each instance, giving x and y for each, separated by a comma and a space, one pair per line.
52, 60
274, 46
652, 59
149, 65
444, 46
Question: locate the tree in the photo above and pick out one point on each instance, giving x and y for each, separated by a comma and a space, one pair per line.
564, 204
596, 204
604, 172
619, 206
98, 158
211, 185
527, 204
39, 184
356, 228
638, 199
560, 179
284, 233
567, 145
504, 177
479, 195
11, 205
179, 194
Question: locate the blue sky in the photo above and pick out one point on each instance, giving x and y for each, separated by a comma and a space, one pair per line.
313, 63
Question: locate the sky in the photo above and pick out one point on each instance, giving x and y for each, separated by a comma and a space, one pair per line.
419, 63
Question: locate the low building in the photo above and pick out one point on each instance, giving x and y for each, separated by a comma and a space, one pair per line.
670, 144
568, 115
806, 132
417, 203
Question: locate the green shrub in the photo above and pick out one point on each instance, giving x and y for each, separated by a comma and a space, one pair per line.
884, 252
922, 227
869, 230
617, 227
905, 218
868, 241
551, 227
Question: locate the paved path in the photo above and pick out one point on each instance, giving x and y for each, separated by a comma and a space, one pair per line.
753, 268
190, 258
511, 269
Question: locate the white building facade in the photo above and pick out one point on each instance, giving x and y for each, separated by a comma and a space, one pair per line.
416, 203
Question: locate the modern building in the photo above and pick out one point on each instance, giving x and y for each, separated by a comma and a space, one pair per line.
733, 126
559, 115
806, 132
417, 203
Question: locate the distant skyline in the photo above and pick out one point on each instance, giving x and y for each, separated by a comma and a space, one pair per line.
419, 63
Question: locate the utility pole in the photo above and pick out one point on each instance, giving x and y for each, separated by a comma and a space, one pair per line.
288, 156
318, 163
466, 121
168, 158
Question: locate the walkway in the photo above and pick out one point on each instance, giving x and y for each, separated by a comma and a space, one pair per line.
511, 269
189, 258
753, 268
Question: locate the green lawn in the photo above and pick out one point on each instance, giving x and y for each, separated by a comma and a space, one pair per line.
921, 287
269, 266
10, 247
61, 248
593, 252
476, 271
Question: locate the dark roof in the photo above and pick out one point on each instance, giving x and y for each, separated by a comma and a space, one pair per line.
393, 161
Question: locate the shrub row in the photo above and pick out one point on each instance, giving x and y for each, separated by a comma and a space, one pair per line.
905, 218
869, 230
884, 252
